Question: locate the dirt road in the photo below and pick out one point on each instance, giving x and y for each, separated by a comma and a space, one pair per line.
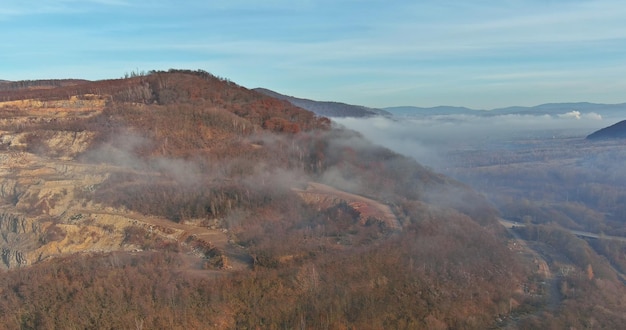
319, 193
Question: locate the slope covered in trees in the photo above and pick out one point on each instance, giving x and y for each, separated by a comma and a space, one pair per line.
191, 149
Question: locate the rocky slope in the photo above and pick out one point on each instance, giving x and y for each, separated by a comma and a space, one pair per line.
44, 212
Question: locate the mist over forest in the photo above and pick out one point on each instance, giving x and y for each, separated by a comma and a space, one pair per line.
429, 138
541, 158
546, 180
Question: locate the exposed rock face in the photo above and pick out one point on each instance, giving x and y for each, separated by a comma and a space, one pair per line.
17, 224
43, 211
42, 214
18, 234
12, 259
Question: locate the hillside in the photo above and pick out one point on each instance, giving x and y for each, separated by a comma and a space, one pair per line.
325, 108
181, 200
615, 131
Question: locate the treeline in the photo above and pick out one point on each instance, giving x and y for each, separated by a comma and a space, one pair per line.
13, 86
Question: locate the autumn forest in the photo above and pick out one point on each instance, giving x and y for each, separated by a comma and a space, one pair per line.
181, 200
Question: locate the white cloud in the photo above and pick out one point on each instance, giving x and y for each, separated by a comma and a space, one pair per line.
570, 115
575, 114
592, 116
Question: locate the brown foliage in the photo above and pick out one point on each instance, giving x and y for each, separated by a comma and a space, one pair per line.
575, 249
107, 291
189, 145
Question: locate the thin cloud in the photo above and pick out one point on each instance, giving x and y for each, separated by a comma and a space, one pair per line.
424, 53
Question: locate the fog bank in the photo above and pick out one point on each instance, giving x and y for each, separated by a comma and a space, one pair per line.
427, 139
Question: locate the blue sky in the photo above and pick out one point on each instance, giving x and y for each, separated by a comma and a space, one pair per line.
481, 54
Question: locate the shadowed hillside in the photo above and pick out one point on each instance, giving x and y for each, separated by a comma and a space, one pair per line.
616, 131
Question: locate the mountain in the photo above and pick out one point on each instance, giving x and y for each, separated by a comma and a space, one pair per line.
616, 131
560, 108
327, 109
433, 111
181, 199
552, 109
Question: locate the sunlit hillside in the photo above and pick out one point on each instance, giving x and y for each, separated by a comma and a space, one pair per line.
181, 200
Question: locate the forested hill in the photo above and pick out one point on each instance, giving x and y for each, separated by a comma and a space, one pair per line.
616, 131
181, 199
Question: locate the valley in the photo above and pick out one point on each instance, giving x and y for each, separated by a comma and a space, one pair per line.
563, 199
560, 195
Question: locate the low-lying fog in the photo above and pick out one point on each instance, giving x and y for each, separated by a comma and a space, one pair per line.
429, 138
537, 167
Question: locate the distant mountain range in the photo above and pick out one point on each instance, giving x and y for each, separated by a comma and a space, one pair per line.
433, 111
616, 131
337, 109
326, 109
605, 110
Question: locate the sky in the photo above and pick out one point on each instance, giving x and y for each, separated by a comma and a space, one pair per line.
480, 54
